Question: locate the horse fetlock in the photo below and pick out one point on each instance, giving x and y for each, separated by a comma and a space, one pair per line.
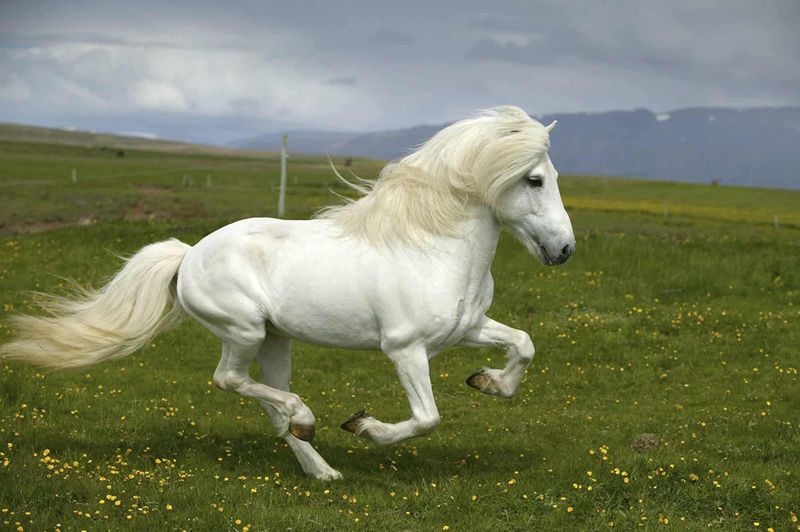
299, 412
490, 381
426, 425
325, 474
301, 420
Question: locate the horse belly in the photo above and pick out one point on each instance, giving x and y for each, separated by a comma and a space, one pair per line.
324, 305
326, 328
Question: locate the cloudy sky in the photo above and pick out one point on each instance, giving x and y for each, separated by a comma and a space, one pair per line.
218, 71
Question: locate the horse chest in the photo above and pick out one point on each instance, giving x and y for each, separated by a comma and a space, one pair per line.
462, 314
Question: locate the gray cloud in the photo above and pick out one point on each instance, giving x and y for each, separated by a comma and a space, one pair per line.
365, 65
14, 40
747, 48
244, 105
389, 37
345, 81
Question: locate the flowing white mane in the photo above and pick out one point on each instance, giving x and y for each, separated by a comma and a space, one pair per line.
428, 192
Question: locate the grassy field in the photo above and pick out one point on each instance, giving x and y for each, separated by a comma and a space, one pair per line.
677, 316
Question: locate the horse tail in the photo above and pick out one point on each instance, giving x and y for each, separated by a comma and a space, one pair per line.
137, 303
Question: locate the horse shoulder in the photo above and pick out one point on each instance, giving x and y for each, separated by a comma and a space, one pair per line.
435, 310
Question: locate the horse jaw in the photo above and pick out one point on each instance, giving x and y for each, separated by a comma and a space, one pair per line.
548, 248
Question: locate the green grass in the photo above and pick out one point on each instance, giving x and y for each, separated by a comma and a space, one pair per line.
684, 326
36, 188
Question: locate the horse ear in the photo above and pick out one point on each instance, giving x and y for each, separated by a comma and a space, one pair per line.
551, 127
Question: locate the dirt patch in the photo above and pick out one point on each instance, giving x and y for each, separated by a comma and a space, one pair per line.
153, 189
39, 227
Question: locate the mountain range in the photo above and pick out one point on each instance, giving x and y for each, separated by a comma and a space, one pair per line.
755, 146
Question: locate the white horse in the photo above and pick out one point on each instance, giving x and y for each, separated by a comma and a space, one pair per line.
404, 269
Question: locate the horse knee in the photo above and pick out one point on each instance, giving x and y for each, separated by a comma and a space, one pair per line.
524, 345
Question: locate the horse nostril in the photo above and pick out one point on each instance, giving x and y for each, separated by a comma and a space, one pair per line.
566, 250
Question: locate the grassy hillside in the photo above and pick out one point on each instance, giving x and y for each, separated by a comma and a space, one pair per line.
677, 316
38, 190
108, 141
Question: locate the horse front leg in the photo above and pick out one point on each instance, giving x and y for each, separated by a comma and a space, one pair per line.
414, 374
519, 347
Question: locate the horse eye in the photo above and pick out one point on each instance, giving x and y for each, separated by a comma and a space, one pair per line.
535, 181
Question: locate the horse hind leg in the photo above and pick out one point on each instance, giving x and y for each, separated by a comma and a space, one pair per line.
274, 359
232, 374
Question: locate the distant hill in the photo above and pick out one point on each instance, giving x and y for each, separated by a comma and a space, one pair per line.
759, 147
22, 133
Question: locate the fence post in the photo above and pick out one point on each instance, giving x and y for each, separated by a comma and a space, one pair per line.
282, 191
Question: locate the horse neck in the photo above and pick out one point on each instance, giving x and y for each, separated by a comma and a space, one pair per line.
481, 237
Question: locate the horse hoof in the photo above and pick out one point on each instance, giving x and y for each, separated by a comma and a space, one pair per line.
351, 425
480, 381
305, 433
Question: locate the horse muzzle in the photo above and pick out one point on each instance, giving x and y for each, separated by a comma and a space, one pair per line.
562, 256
